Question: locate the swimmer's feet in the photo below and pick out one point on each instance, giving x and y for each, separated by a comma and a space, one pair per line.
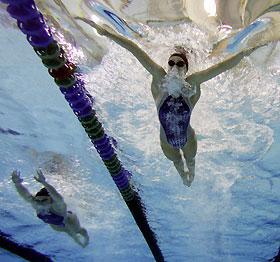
85, 243
187, 176
80, 242
84, 233
81, 237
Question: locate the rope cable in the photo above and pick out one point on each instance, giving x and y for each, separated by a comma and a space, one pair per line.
31, 22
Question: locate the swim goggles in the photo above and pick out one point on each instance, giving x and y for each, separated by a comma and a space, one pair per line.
179, 64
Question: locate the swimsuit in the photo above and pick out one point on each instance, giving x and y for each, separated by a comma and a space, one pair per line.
52, 218
174, 116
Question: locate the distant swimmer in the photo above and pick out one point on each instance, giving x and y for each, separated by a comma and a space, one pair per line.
51, 208
175, 96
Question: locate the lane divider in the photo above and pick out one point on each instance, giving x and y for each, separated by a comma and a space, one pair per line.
31, 22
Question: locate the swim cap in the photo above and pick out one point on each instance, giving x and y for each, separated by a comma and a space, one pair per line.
43, 192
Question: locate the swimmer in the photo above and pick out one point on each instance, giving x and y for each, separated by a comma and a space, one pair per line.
51, 208
175, 94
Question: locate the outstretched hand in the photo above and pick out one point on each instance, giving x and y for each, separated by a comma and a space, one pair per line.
98, 28
249, 51
40, 178
16, 177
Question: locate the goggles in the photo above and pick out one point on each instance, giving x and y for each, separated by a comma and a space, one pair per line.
179, 63
42, 200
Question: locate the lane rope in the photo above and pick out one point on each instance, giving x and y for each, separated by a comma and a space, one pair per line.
31, 22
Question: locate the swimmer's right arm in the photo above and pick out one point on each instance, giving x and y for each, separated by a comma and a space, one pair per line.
153, 68
52, 191
17, 180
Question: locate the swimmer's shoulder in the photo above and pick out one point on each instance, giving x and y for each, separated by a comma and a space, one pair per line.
193, 79
157, 81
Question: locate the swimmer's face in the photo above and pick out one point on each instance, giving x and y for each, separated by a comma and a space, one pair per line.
43, 200
176, 62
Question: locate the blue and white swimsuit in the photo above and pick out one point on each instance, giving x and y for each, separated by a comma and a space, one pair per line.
174, 116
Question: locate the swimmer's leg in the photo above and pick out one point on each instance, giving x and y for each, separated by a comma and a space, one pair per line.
189, 151
174, 155
73, 229
75, 237
84, 233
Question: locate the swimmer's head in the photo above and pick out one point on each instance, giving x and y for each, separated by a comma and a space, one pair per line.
43, 192
179, 60
179, 63
43, 197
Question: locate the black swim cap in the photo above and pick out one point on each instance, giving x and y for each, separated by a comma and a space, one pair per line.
42, 192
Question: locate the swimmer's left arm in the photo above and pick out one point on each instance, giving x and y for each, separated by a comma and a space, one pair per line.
202, 76
52, 191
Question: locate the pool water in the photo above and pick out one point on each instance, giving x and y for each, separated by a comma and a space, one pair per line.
230, 213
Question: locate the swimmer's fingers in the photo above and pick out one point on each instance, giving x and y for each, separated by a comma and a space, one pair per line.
15, 173
251, 50
40, 178
16, 177
99, 29
37, 179
107, 28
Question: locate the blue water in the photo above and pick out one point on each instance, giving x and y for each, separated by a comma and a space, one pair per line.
231, 211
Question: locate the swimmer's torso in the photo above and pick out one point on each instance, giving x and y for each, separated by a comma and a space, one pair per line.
51, 217
53, 214
174, 116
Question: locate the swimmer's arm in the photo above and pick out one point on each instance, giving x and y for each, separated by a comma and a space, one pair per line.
24, 193
52, 191
153, 68
202, 76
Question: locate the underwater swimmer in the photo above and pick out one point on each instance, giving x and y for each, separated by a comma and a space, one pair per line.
51, 208
175, 95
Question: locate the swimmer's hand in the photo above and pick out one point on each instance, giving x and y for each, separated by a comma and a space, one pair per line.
16, 177
99, 29
249, 51
40, 178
